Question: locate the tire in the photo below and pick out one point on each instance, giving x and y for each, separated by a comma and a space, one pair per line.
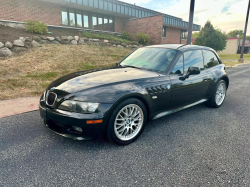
127, 122
213, 102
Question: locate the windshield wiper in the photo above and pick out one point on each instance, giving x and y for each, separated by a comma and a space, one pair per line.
129, 66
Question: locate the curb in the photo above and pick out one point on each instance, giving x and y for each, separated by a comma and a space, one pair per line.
18, 106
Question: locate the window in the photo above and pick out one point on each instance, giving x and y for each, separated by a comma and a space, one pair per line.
100, 26
94, 21
178, 69
164, 31
65, 20
79, 18
86, 20
210, 59
183, 34
154, 59
193, 58
105, 23
72, 18
111, 25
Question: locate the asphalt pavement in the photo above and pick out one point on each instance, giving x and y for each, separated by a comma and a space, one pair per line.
199, 146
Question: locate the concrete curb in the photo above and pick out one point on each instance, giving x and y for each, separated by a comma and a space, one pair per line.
18, 106
228, 67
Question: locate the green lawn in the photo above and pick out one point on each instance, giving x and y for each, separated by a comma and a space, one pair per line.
234, 56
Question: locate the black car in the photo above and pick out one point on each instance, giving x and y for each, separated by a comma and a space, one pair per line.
150, 83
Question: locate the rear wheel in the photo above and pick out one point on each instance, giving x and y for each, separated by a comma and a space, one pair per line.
219, 95
127, 122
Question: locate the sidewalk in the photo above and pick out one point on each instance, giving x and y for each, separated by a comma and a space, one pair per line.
18, 106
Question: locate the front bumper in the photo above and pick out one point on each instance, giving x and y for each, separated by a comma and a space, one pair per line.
61, 122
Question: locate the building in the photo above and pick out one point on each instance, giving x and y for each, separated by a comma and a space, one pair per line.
234, 46
97, 15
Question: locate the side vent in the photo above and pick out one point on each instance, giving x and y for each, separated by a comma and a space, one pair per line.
157, 89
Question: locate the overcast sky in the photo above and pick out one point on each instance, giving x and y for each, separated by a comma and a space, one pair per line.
225, 14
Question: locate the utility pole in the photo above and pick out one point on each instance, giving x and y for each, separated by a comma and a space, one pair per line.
241, 60
190, 23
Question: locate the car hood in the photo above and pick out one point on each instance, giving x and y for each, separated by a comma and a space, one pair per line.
79, 81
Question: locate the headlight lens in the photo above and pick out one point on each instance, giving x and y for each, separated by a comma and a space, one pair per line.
79, 107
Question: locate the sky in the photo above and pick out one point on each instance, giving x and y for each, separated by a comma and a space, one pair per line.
224, 14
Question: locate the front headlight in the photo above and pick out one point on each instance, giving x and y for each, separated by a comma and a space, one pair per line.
78, 107
44, 96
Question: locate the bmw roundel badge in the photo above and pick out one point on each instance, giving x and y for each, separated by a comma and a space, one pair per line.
51, 89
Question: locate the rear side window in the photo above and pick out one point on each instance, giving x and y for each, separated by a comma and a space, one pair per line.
193, 58
210, 59
178, 69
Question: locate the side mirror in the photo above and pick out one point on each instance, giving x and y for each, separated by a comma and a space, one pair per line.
191, 71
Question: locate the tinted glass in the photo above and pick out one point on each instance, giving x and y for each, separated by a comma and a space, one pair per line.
79, 18
178, 69
210, 59
65, 20
72, 18
164, 31
193, 58
155, 59
86, 20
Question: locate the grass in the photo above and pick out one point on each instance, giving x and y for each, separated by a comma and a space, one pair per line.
30, 73
234, 56
108, 37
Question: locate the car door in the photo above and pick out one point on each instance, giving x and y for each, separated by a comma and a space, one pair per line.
192, 88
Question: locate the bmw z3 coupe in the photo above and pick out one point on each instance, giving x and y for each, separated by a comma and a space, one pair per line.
150, 83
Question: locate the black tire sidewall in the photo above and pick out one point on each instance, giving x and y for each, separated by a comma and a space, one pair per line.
110, 129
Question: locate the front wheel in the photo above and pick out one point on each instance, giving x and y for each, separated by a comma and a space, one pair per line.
219, 95
127, 122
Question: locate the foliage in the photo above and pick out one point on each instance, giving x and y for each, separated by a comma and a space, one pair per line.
34, 26
195, 35
211, 37
126, 36
107, 37
235, 33
142, 38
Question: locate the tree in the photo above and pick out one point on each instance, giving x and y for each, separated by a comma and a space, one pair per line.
211, 37
235, 33
195, 35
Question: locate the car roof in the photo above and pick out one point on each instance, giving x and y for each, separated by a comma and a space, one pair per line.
180, 47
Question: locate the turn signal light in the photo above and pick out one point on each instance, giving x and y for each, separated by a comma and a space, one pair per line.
95, 121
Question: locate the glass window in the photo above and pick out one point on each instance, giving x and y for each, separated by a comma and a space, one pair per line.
72, 17
111, 26
79, 18
94, 21
100, 22
105, 23
154, 59
178, 69
183, 34
193, 58
164, 31
86, 20
210, 59
65, 20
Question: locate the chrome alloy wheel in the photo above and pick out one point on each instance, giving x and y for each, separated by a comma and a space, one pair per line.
128, 122
220, 94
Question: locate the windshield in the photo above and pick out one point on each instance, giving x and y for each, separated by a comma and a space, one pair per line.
153, 59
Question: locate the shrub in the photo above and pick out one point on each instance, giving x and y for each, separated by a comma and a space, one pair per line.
142, 38
33, 26
126, 36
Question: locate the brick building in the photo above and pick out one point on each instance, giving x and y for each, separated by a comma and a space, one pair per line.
97, 15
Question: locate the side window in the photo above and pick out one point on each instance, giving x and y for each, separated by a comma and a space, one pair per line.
178, 69
210, 59
193, 58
